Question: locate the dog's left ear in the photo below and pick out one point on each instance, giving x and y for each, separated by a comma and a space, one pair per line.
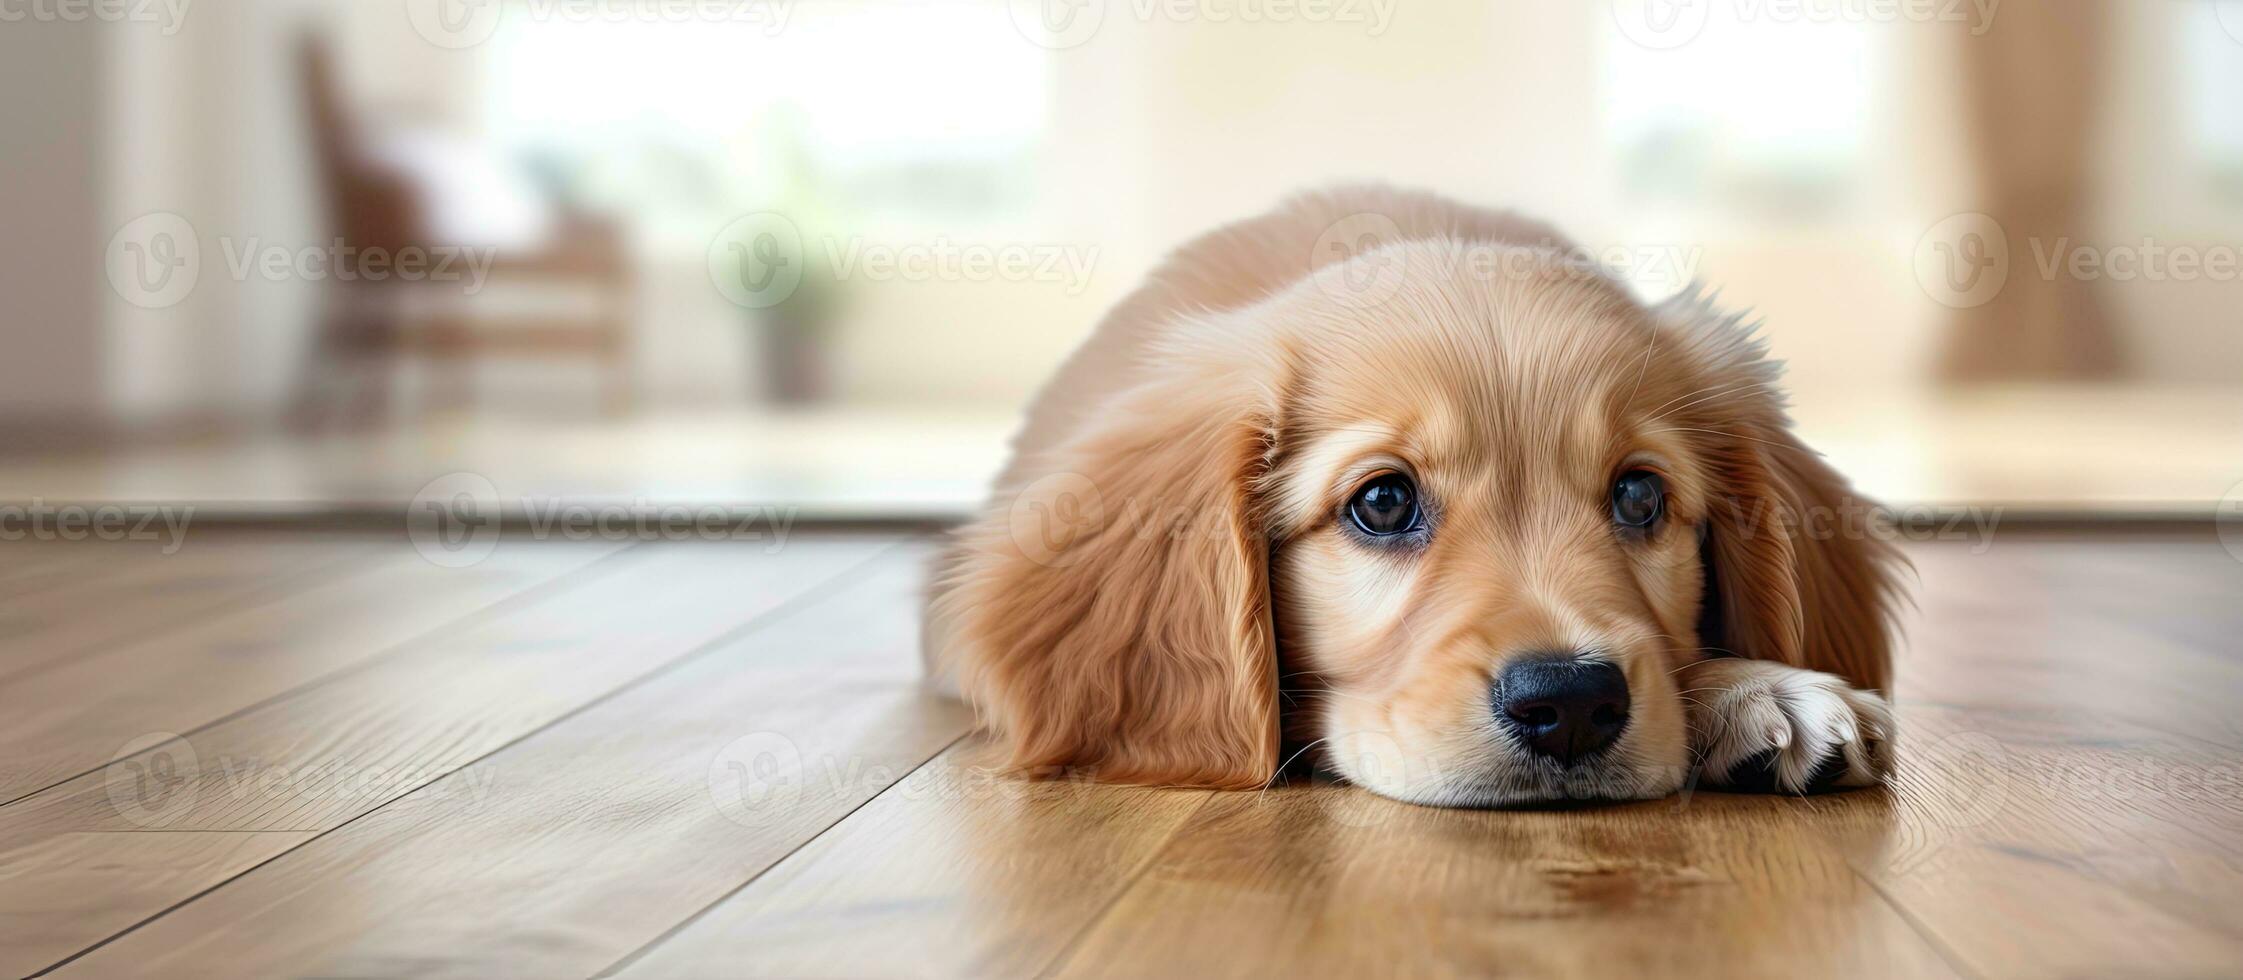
1111, 612
1798, 568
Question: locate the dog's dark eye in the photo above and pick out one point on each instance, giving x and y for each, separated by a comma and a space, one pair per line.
1386, 505
1638, 498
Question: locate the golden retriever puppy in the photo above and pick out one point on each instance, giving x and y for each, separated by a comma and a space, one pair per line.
1411, 488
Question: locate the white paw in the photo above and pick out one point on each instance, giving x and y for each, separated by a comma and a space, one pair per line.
1763, 725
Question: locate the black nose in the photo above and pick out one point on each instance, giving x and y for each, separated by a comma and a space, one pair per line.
1563, 707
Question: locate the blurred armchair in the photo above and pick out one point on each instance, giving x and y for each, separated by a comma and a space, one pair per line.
402, 192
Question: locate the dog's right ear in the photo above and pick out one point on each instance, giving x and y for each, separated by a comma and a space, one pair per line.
1110, 613
1797, 568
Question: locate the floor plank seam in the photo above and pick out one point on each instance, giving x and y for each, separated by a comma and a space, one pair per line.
1059, 960
807, 598
1923, 931
534, 593
702, 912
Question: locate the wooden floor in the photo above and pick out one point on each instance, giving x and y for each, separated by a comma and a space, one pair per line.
296, 754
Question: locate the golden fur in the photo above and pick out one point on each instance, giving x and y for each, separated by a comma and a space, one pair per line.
1162, 591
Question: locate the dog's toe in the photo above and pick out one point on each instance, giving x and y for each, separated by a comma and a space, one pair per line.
1786, 730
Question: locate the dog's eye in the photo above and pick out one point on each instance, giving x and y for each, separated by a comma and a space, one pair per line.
1638, 498
1386, 505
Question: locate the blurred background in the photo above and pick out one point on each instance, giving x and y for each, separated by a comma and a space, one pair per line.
295, 255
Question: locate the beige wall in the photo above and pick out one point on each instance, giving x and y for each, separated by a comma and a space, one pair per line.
51, 207
1153, 132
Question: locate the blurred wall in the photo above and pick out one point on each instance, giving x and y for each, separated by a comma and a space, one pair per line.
1146, 134
52, 205
206, 123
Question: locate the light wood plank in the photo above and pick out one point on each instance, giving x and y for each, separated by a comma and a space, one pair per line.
73, 718
1321, 881
2031, 846
30, 566
958, 870
44, 566
2140, 633
594, 836
2070, 798
316, 758
2088, 687
121, 592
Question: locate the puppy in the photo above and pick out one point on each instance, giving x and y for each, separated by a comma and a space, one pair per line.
1410, 487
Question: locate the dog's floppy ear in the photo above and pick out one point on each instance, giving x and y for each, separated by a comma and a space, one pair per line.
1111, 613
1797, 569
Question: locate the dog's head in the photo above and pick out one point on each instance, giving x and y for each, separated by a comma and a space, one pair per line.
1455, 542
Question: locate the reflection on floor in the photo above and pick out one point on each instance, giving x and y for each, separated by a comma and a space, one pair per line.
314, 754
2094, 451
